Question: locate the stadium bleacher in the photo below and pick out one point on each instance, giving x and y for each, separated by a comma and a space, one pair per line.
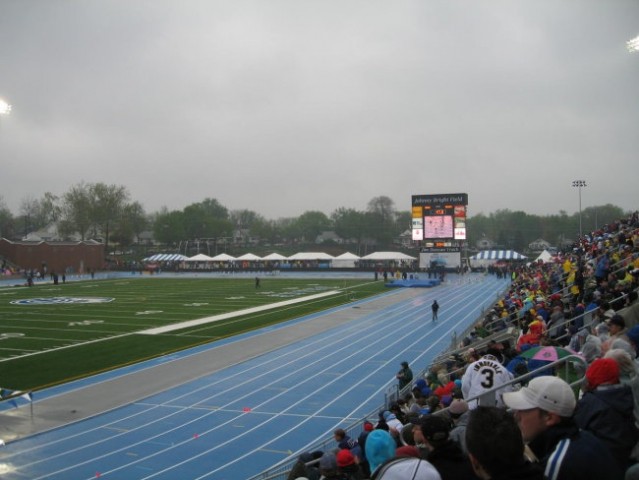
586, 285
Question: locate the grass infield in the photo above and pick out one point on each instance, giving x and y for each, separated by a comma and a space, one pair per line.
44, 343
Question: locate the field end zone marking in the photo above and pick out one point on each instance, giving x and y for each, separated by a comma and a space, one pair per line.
238, 313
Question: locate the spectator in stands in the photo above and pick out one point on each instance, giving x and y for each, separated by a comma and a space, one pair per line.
602, 331
633, 338
328, 467
396, 409
556, 322
622, 344
367, 428
380, 447
301, 469
482, 376
578, 315
348, 465
402, 468
445, 455
607, 410
544, 413
459, 415
604, 313
433, 404
590, 345
472, 354
572, 333
421, 406
496, 350
628, 375
407, 451
394, 425
531, 335
495, 446
346, 442
405, 403
617, 327
603, 268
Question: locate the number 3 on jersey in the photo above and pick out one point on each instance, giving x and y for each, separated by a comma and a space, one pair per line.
489, 377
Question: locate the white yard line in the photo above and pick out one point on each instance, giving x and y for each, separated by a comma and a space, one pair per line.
238, 313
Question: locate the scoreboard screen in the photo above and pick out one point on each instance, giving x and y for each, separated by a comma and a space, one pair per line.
439, 217
438, 226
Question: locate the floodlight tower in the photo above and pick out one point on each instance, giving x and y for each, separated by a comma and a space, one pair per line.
579, 184
633, 45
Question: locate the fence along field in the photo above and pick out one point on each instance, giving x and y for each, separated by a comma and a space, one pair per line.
55, 333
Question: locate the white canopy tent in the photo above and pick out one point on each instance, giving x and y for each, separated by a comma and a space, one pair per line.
545, 257
274, 257
345, 260
248, 257
200, 257
388, 256
223, 257
309, 256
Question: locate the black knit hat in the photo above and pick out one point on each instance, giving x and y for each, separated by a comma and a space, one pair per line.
436, 428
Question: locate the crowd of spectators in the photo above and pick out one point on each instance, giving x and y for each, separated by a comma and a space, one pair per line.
494, 409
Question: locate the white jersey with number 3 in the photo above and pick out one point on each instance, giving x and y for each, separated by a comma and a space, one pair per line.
483, 375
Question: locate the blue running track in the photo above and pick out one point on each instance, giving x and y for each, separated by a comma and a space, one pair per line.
241, 420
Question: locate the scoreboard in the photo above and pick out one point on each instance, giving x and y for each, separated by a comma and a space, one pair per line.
439, 217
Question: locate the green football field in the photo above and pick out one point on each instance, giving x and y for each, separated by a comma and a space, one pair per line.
55, 333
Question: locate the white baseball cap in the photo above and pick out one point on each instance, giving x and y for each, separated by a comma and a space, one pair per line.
549, 393
408, 467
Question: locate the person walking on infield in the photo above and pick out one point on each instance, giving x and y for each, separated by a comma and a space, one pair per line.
435, 308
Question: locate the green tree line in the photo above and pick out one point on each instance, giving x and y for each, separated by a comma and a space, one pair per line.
106, 212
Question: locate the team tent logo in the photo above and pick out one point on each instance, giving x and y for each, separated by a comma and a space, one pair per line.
62, 300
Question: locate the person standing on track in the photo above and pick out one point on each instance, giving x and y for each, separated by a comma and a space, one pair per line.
435, 308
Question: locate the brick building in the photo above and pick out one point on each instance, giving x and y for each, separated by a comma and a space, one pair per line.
59, 257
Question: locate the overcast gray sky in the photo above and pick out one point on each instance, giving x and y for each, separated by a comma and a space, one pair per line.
284, 106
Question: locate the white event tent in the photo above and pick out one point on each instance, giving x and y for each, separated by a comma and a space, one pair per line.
345, 260
388, 256
223, 257
248, 257
200, 257
274, 257
545, 257
309, 256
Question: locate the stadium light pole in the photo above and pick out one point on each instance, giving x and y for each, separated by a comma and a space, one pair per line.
579, 184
